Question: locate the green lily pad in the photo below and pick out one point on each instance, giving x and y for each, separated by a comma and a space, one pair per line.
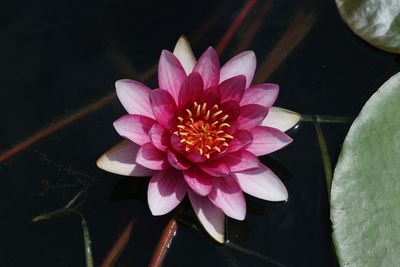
365, 196
376, 21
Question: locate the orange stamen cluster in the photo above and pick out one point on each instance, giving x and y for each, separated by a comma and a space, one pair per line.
203, 129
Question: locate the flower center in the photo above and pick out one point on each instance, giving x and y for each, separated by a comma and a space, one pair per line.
203, 129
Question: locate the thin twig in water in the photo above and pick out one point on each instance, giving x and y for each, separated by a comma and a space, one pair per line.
164, 243
86, 240
120, 244
326, 118
60, 211
325, 156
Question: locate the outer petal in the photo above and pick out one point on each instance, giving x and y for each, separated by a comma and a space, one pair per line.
152, 158
267, 140
232, 88
242, 64
208, 67
178, 161
227, 195
121, 159
262, 183
211, 217
170, 74
263, 94
251, 116
134, 96
134, 127
281, 119
159, 136
192, 89
163, 106
241, 140
199, 181
184, 54
166, 190
241, 161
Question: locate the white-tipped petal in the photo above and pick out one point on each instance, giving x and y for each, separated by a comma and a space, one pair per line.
211, 217
184, 53
120, 159
262, 183
281, 119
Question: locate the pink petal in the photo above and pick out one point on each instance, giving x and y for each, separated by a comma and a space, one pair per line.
262, 183
251, 116
121, 159
263, 94
178, 161
231, 108
242, 139
170, 74
166, 190
134, 96
152, 158
216, 167
184, 54
281, 119
192, 89
242, 64
241, 161
163, 106
232, 88
199, 181
134, 127
211, 217
194, 156
267, 140
211, 96
176, 144
159, 136
208, 67
228, 196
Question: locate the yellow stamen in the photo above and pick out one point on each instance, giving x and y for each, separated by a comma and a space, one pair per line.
224, 118
207, 115
203, 109
224, 125
198, 110
217, 149
228, 136
214, 123
216, 113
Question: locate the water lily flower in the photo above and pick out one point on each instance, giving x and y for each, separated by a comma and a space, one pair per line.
200, 134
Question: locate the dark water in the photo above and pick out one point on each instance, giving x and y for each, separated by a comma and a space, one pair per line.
58, 57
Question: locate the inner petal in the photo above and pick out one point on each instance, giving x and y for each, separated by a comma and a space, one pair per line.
203, 129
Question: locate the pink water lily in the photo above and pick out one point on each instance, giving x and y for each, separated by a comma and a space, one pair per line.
199, 134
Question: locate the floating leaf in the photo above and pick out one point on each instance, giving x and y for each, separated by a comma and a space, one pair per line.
376, 21
365, 196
